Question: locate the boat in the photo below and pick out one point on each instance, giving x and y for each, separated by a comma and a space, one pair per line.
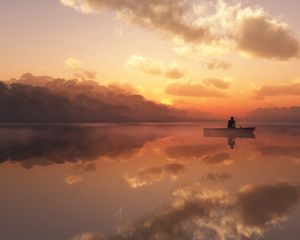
242, 132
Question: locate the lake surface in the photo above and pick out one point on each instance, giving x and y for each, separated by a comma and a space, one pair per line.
147, 181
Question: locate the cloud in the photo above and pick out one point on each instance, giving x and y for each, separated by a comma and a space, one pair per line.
190, 89
48, 99
174, 72
292, 89
149, 176
73, 63
215, 64
78, 71
146, 65
262, 36
251, 30
154, 67
217, 82
163, 16
125, 88
85, 75
277, 114
239, 27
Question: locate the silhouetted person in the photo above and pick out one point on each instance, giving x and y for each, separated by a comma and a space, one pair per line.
231, 123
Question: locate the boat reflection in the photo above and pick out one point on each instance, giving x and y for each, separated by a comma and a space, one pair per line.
230, 135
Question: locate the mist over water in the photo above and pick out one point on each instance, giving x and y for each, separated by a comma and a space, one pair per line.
148, 181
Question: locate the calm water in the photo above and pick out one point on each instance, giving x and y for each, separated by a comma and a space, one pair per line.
96, 182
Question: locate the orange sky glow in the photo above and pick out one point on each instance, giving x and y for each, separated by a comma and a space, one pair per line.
223, 56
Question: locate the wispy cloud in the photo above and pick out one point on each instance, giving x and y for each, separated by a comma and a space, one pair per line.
276, 114
218, 82
292, 89
215, 64
73, 63
78, 71
192, 89
154, 67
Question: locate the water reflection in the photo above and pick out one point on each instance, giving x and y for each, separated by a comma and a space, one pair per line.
213, 214
149, 176
216, 177
193, 152
45, 145
92, 182
277, 150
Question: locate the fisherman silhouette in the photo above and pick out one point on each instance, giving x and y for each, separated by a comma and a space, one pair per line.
231, 123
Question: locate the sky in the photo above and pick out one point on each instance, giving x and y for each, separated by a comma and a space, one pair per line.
217, 56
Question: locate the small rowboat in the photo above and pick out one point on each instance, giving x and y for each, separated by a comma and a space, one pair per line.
247, 132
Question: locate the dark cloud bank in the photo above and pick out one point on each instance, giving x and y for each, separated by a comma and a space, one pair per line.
53, 100
276, 114
46, 99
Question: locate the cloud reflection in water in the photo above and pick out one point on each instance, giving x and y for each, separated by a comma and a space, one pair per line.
197, 213
149, 176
